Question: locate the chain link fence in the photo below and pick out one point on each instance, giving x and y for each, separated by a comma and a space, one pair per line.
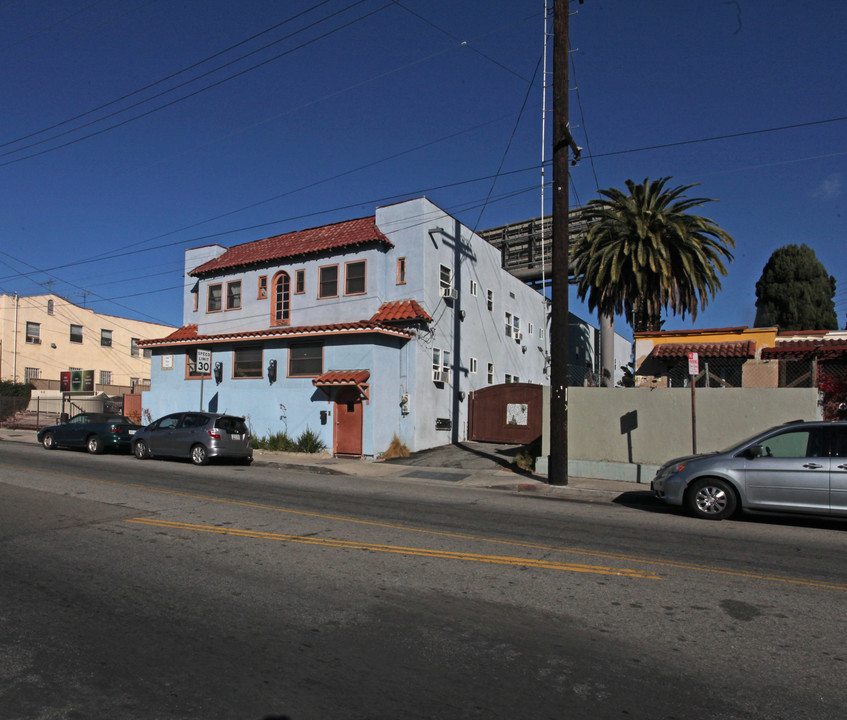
829, 376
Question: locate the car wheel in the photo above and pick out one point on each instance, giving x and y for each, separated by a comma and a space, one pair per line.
142, 452
48, 441
199, 455
711, 499
95, 445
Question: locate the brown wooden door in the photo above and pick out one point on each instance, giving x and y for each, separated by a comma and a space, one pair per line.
348, 422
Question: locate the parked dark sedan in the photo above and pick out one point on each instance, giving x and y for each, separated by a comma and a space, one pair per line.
199, 436
94, 431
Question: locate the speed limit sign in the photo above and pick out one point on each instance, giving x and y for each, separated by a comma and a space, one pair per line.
204, 362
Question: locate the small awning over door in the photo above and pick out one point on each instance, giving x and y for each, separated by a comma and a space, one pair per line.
344, 378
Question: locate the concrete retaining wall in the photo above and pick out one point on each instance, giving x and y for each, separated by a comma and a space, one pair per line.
626, 433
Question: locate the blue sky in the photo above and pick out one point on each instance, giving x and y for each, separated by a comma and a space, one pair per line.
134, 129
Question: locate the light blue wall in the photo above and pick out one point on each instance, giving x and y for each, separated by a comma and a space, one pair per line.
426, 237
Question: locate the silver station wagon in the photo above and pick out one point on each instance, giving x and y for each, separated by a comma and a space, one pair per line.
799, 467
199, 436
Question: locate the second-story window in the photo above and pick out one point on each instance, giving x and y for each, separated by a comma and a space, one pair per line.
263, 287
281, 306
299, 282
354, 278
445, 277
328, 281
133, 347
213, 301
233, 295
49, 307
401, 271
33, 333
76, 333
106, 339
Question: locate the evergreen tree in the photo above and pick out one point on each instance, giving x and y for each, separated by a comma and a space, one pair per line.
795, 292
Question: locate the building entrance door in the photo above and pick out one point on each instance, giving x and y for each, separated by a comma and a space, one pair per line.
348, 422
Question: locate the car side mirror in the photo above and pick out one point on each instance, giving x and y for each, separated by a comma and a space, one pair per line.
751, 453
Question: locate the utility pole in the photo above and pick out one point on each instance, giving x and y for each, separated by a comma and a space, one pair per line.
557, 472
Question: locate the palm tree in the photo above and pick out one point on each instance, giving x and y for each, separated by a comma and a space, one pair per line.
643, 253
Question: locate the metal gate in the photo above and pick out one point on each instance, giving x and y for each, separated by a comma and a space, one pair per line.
509, 413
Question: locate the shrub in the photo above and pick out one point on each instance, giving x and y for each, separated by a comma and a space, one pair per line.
277, 441
526, 458
396, 450
310, 442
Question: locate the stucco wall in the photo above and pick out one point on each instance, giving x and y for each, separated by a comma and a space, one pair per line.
648, 427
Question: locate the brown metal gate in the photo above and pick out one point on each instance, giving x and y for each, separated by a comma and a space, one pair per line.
509, 413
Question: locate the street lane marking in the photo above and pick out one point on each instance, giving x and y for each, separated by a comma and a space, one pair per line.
419, 552
461, 536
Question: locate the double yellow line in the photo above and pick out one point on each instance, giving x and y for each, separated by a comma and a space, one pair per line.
417, 552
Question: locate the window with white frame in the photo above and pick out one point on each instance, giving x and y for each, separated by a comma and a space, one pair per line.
445, 361
473, 288
436, 364
133, 347
508, 378
445, 277
508, 324
49, 307
530, 329
490, 299
473, 365
105, 338
105, 377
490, 373
31, 373
516, 326
76, 333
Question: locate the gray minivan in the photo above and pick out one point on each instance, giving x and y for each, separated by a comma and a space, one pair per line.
199, 436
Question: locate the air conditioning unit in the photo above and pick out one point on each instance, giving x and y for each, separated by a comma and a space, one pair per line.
437, 376
449, 293
517, 335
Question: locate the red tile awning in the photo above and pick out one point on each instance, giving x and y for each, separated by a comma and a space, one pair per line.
401, 311
344, 378
679, 351
833, 349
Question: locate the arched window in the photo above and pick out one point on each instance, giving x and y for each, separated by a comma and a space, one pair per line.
281, 305
49, 307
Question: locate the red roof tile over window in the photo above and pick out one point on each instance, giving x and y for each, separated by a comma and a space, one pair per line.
744, 349
401, 311
803, 349
342, 377
347, 234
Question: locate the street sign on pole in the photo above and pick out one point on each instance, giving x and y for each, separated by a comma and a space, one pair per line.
204, 362
693, 364
204, 367
693, 371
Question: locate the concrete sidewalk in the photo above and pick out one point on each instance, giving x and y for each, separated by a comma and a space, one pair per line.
467, 464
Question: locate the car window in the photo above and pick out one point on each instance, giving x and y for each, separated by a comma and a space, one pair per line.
838, 439
232, 425
169, 422
116, 419
194, 420
794, 444
79, 419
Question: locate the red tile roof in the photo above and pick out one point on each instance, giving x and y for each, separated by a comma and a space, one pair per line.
709, 331
188, 335
347, 234
806, 349
342, 377
744, 349
401, 311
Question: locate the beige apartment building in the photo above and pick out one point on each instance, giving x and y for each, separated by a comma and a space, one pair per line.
42, 336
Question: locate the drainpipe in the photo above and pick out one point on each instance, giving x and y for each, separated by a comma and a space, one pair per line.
15, 349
